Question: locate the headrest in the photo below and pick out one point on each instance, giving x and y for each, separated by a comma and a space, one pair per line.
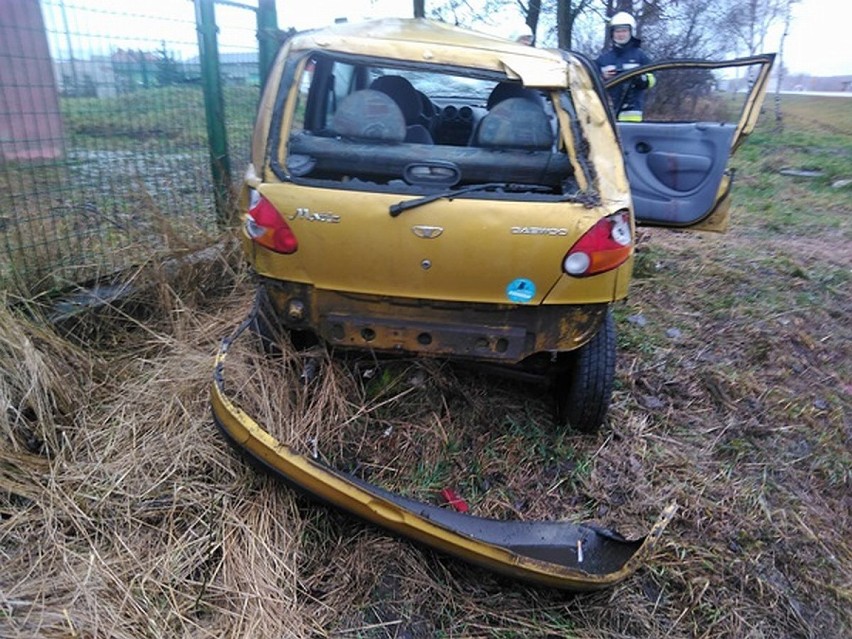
403, 93
516, 123
369, 115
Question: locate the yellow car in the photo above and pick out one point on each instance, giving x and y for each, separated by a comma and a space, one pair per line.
419, 189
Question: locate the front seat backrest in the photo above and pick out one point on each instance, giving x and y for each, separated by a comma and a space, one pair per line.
369, 115
515, 123
409, 101
403, 93
505, 90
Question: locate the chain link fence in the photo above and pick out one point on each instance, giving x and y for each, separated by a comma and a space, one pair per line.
105, 159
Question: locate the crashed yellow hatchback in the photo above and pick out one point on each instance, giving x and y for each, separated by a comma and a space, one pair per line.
422, 190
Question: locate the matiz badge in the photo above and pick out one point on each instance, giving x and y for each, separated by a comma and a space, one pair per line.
306, 214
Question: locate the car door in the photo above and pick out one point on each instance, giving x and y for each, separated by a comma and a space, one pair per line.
696, 115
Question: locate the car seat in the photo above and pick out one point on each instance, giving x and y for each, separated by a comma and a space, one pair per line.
370, 115
515, 123
411, 104
505, 90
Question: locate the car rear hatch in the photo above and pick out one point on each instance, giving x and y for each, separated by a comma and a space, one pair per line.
498, 249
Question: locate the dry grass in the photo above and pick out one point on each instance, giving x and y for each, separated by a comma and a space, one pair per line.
49, 247
118, 514
123, 513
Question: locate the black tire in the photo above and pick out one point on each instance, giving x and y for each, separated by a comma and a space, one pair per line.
584, 391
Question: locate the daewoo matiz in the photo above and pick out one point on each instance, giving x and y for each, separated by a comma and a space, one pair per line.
418, 189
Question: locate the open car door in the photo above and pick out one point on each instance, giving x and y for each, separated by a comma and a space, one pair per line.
696, 115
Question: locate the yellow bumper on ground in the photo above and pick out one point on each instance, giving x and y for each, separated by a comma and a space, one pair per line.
559, 554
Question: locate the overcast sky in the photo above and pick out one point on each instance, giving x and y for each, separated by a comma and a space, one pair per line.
817, 43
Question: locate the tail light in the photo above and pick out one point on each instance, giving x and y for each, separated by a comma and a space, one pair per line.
265, 226
605, 246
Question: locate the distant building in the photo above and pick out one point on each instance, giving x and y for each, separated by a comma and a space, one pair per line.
30, 123
803, 82
236, 68
86, 78
134, 69
123, 71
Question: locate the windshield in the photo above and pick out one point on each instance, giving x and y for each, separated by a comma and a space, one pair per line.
445, 85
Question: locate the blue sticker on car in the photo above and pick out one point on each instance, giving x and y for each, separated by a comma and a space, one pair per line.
520, 290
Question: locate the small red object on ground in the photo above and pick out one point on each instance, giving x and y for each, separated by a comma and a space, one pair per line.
453, 499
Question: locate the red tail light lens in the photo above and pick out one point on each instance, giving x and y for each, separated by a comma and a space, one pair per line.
605, 246
265, 226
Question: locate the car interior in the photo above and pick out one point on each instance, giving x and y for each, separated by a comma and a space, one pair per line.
366, 127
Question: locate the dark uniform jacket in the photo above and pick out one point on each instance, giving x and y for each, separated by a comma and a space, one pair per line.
627, 98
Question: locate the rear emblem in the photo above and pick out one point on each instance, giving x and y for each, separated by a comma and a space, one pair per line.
427, 232
306, 214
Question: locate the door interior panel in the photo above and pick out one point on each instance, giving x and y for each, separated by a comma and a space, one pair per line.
682, 173
675, 169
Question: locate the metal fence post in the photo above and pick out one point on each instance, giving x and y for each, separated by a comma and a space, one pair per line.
214, 108
267, 37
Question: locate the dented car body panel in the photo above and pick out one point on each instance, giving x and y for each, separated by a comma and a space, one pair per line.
507, 333
454, 214
349, 210
678, 170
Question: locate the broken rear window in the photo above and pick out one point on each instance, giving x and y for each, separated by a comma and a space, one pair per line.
380, 127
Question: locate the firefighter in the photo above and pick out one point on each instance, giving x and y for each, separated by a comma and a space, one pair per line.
625, 53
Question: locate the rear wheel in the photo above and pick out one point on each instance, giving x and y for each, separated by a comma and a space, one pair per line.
265, 325
584, 390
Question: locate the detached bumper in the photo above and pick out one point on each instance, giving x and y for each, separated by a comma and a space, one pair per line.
559, 554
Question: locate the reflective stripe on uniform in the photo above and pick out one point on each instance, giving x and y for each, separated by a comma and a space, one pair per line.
630, 116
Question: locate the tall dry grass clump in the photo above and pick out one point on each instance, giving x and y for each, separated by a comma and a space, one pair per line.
122, 512
42, 376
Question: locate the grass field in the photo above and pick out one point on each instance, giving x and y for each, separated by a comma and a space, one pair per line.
132, 164
123, 513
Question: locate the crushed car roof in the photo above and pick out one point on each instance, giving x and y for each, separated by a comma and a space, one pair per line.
427, 41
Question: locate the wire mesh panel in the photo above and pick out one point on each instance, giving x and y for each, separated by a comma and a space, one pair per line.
104, 158
240, 75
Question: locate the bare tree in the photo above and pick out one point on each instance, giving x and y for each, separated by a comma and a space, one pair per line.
788, 15
668, 28
749, 21
567, 12
688, 30
674, 28
531, 11
472, 14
